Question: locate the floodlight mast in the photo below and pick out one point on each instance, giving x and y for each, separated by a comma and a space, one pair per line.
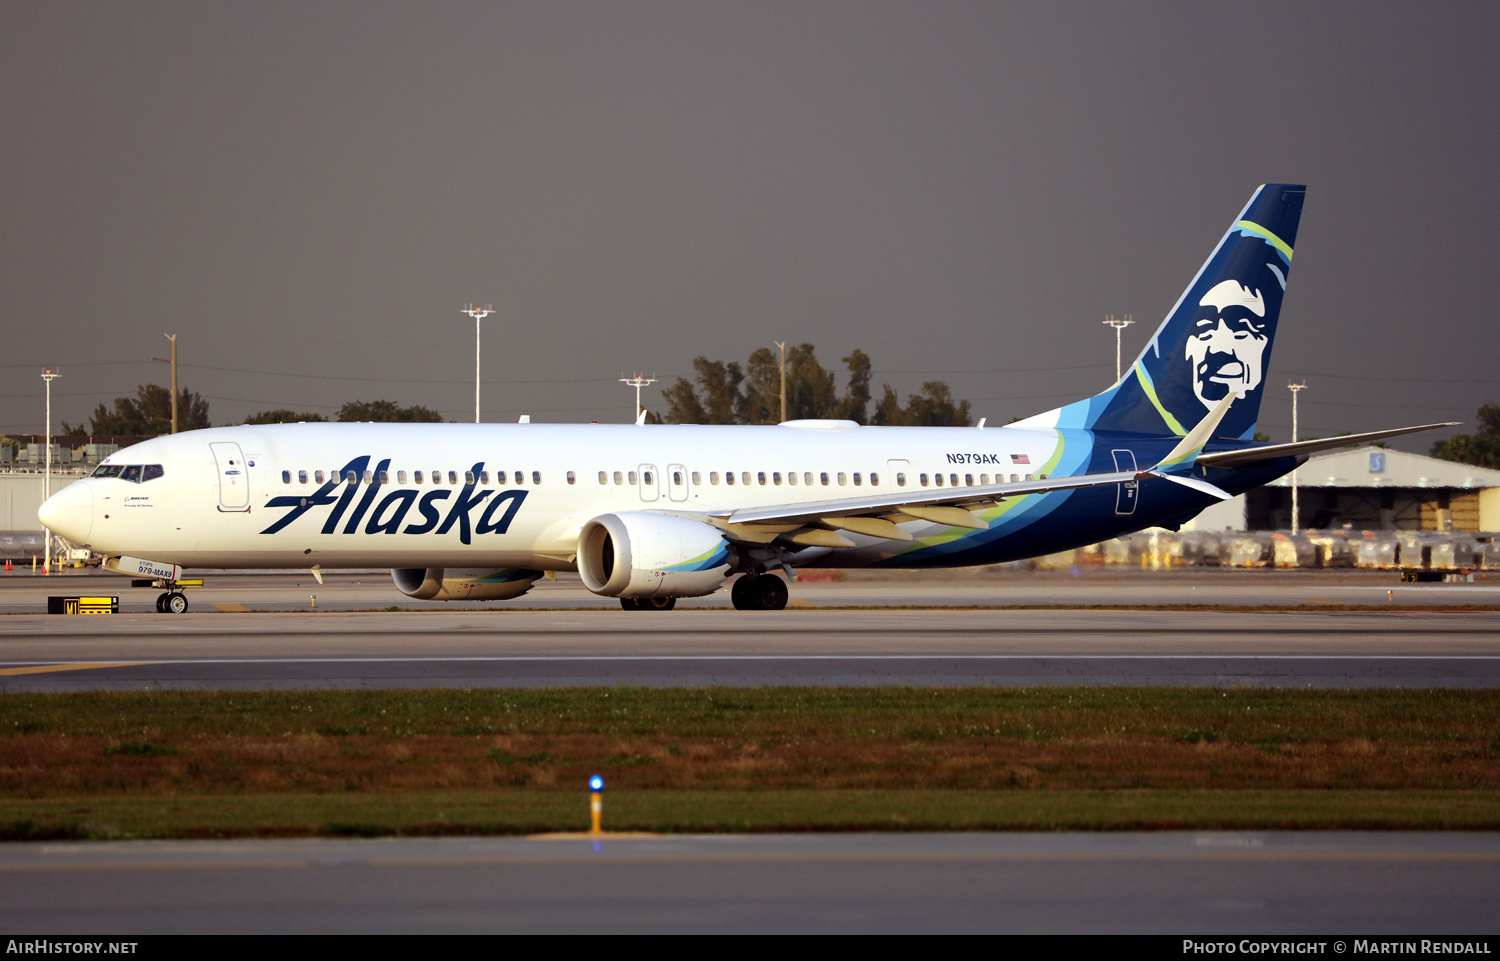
1119, 324
478, 313
49, 374
638, 382
1294, 388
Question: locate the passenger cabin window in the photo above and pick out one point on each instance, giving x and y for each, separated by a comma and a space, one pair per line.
369, 477
632, 477
791, 477
302, 477
416, 477
572, 477
745, 478
697, 478
775, 478
984, 479
938, 478
318, 476
842, 479
713, 477
677, 477
286, 475
856, 479
761, 477
968, 480
351, 477
728, 477
900, 479
650, 477
484, 477
619, 478
385, 477
604, 477
453, 477
807, 478
823, 478
520, 478
469, 478
874, 479
401, 477
922, 479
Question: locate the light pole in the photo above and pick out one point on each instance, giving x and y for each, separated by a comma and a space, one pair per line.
1119, 324
478, 313
1295, 388
638, 382
173, 339
783, 378
48, 375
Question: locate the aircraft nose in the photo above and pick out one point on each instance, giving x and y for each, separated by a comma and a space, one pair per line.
70, 512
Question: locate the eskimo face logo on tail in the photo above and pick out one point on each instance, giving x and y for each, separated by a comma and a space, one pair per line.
387, 515
1227, 343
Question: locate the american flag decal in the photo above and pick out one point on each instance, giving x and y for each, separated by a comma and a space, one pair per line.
1020, 459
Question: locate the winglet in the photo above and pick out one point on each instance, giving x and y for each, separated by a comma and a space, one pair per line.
1188, 449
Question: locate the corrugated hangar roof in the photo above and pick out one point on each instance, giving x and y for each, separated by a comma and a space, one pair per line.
1379, 467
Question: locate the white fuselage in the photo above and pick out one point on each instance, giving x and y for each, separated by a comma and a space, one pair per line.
225, 494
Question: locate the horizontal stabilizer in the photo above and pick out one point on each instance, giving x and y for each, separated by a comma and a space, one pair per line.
1251, 455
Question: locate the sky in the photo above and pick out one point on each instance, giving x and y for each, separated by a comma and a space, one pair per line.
308, 193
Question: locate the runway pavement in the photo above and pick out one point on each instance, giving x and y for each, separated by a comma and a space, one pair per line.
1243, 884
20, 592
706, 647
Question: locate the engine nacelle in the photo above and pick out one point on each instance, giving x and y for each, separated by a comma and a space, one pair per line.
438, 584
636, 554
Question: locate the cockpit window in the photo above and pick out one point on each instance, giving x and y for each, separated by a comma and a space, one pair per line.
134, 473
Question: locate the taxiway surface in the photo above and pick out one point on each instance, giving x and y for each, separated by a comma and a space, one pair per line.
1199, 883
709, 647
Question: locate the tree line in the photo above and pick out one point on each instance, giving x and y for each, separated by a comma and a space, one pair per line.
1481, 448
724, 392
149, 413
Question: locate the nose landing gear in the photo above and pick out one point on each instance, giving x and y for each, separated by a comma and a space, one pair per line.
172, 602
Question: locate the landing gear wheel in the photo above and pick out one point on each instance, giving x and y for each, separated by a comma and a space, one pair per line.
656, 603
161, 603
739, 594
175, 603
759, 592
769, 593
630, 604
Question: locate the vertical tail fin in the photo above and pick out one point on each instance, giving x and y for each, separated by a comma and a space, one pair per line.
1216, 339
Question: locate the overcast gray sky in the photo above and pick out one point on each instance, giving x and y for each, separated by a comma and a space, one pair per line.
308, 192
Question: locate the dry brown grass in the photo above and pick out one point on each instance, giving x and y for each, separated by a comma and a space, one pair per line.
193, 743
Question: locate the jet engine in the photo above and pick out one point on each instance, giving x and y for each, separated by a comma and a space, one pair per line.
438, 584
638, 554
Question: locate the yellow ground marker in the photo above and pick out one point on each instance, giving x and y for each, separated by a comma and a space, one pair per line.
47, 668
232, 608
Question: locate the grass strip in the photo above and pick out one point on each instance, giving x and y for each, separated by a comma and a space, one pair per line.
519, 811
229, 763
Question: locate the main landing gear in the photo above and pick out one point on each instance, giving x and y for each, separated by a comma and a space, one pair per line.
759, 592
172, 602
648, 603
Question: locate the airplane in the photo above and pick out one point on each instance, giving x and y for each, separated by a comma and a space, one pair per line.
652, 513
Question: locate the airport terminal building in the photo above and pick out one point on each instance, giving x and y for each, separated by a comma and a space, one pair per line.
1370, 489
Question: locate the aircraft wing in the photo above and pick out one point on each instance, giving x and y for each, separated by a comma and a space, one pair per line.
816, 523
1250, 455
